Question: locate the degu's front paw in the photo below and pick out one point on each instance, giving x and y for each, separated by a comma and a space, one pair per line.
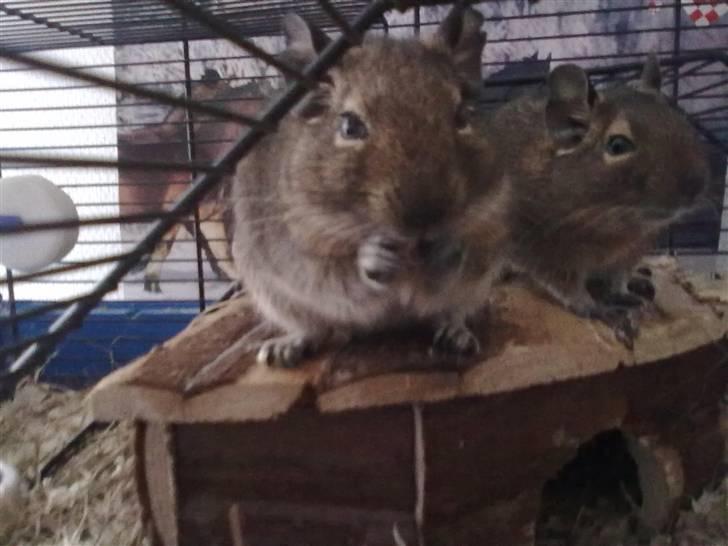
284, 351
457, 339
624, 321
379, 261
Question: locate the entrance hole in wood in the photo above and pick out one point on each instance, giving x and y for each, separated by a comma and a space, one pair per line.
596, 492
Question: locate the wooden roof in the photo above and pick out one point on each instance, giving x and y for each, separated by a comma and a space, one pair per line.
527, 341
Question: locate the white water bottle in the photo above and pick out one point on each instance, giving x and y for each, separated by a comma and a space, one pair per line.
31, 199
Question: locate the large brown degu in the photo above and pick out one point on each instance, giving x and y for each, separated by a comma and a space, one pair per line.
366, 208
595, 177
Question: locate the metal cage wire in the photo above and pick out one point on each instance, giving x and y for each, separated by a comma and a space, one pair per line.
29, 26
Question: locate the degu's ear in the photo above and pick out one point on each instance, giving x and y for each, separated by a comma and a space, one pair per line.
651, 78
460, 33
304, 41
570, 100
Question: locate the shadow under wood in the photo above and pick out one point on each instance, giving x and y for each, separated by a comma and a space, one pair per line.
594, 499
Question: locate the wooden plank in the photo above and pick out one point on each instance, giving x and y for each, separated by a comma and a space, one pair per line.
155, 387
483, 451
276, 524
677, 402
348, 477
486, 458
500, 522
157, 481
484, 454
705, 288
261, 393
528, 341
170, 366
531, 341
335, 475
116, 400
348, 459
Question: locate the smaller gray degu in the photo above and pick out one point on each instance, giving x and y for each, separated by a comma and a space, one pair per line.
386, 198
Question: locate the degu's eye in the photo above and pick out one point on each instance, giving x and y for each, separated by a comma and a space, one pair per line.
619, 145
462, 116
351, 127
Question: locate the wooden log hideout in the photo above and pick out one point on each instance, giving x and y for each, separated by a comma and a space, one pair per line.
379, 443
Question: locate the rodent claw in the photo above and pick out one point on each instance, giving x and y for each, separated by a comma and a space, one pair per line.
626, 331
378, 261
622, 321
284, 352
456, 339
625, 337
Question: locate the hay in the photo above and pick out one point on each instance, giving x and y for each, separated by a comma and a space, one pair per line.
705, 523
91, 501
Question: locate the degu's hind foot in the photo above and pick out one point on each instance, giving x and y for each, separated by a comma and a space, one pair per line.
602, 291
622, 300
455, 338
285, 351
642, 287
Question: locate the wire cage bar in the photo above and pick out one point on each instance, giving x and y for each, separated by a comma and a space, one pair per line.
191, 151
36, 25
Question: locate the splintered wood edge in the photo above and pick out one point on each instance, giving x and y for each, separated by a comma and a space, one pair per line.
391, 389
261, 393
693, 325
120, 401
704, 287
517, 368
231, 402
158, 466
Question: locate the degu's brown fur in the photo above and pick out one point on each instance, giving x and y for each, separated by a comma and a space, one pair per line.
595, 177
367, 207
